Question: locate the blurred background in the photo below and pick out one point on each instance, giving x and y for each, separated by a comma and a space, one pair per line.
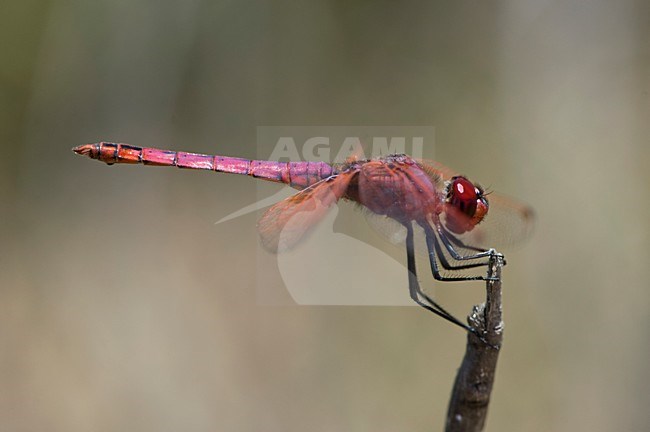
123, 307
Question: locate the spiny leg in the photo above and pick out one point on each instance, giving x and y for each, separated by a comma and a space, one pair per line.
445, 237
431, 241
458, 242
414, 286
446, 265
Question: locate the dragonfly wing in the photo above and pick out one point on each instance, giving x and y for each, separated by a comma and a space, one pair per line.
386, 227
438, 172
508, 224
284, 224
395, 232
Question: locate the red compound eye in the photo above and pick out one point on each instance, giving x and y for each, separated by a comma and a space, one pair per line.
465, 205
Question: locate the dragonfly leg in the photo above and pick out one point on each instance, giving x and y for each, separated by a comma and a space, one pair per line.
416, 292
445, 237
431, 241
453, 239
446, 265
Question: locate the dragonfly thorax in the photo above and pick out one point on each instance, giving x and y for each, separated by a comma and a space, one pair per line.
397, 187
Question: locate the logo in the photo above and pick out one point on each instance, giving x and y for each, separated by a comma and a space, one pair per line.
343, 259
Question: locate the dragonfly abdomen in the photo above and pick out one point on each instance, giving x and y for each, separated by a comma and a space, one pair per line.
298, 175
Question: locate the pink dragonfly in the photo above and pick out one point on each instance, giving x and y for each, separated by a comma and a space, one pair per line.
461, 226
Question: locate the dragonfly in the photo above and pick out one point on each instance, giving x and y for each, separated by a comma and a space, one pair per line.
460, 221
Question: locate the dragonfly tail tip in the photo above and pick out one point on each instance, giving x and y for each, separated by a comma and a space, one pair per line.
83, 150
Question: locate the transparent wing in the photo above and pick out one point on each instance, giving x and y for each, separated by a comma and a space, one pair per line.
395, 232
287, 222
437, 171
508, 222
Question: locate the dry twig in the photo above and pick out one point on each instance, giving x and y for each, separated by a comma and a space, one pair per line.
470, 396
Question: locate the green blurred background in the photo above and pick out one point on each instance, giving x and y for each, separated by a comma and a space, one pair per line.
123, 307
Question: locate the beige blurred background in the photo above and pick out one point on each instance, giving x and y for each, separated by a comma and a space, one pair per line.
123, 307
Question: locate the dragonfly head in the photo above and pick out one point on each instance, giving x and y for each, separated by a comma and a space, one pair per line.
465, 205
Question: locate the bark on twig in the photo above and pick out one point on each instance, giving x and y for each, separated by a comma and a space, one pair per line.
470, 396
